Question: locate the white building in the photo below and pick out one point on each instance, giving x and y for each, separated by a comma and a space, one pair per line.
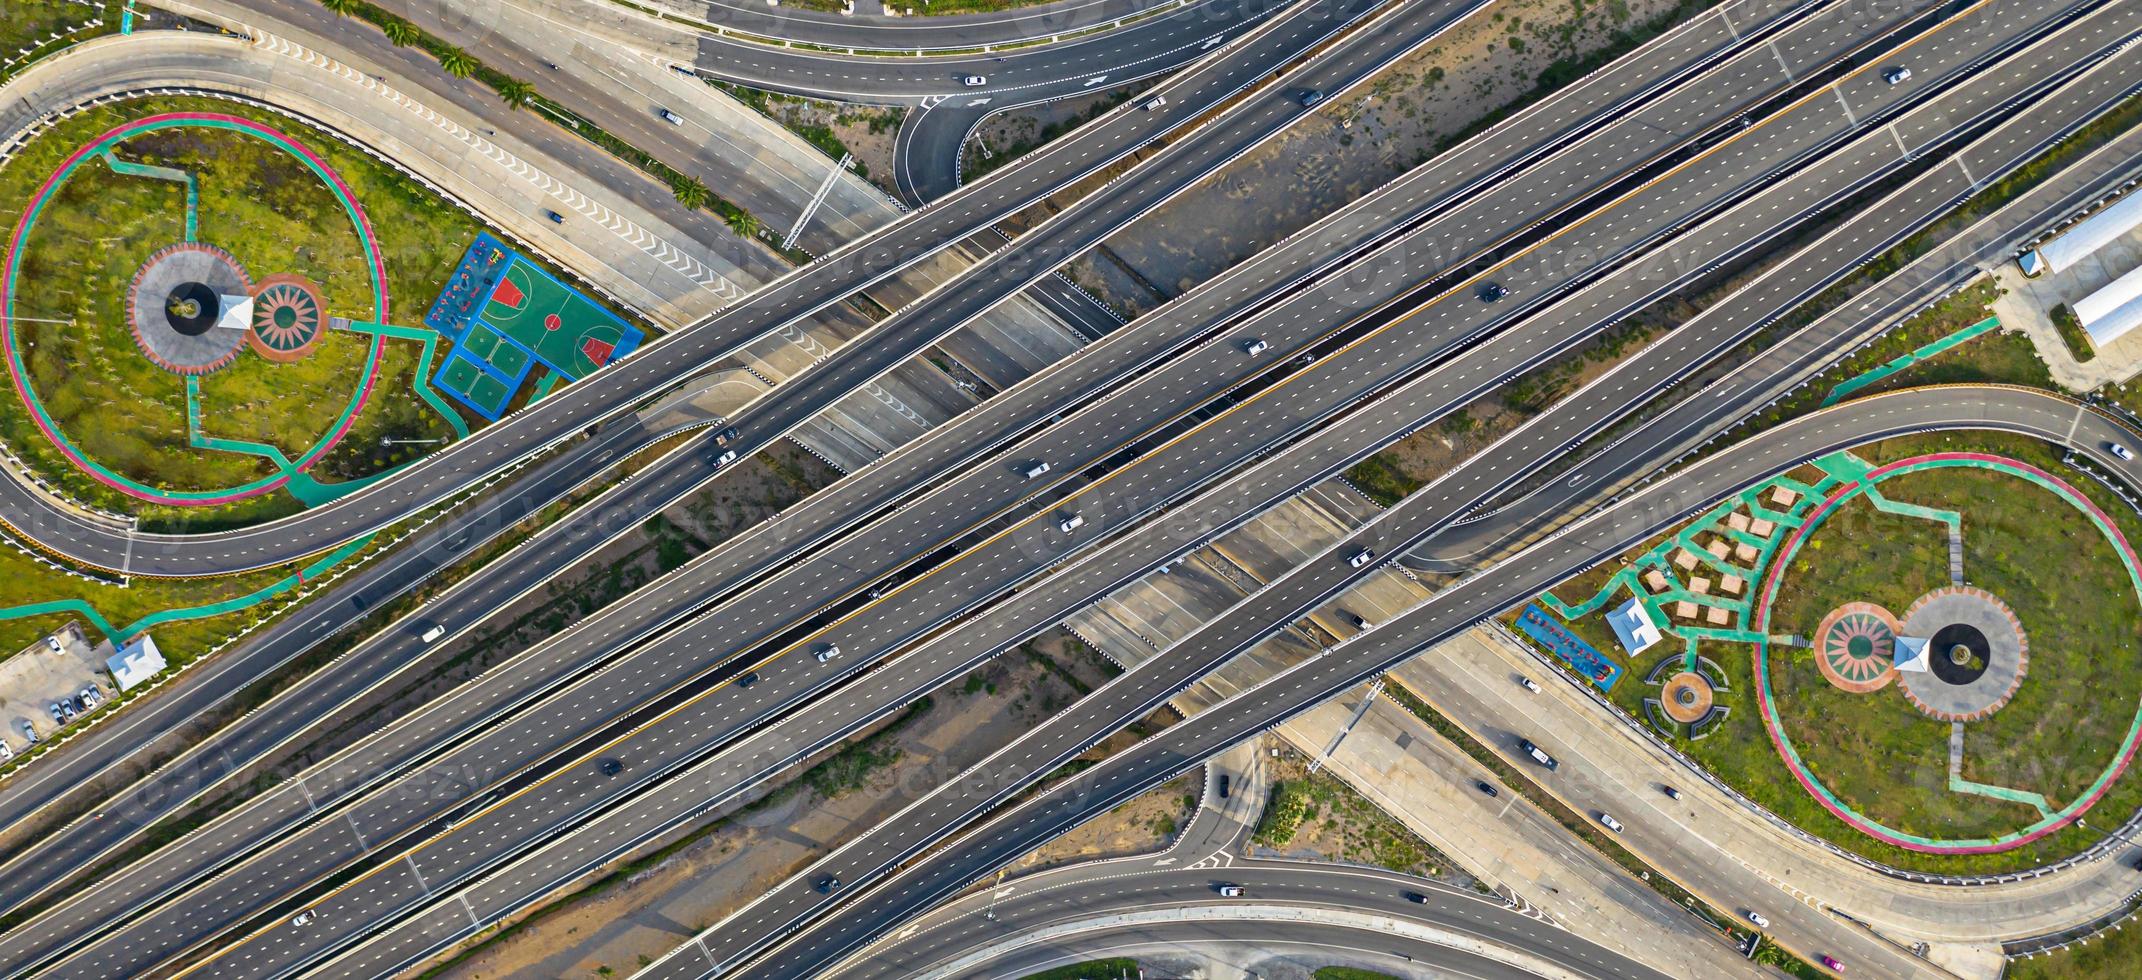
136, 662
1632, 625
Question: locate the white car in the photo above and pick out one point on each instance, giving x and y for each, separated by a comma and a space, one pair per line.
302, 919
974, 81
1230, 891
1362, 557
828, 652
1897, 76
1256, 346
1070, 523
725, 458
671, 117
1756, 918
1530, 684
1607, 820
1155, 102
2121, 451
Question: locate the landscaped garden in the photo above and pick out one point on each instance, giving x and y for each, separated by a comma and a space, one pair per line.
188, 433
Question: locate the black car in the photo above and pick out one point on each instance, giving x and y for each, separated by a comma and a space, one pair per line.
725, 436
827, 884
1492, 291
610, 767
748, 679
1486, 787
1223, 786
1310, 97
1538, 754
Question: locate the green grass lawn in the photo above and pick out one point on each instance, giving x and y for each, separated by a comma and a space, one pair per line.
1114, 968
33, 22
272, 214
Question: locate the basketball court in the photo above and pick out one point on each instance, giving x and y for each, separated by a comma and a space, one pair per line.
505, 315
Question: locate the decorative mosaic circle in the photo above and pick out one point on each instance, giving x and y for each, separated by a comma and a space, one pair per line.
1686, 697
1976, 654
179, 306
287, 318
1856, 647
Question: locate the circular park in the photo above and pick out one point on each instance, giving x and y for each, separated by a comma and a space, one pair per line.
195, 301
1946, 653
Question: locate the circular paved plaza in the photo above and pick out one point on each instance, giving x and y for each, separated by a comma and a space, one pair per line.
1687, 697
1855, 647
1976, 654
176, 301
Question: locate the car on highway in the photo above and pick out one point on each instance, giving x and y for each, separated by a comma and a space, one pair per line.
1416, 898
669, 117
1489, 292
1671, 793
1607, 820
1897, 75
827, 884
1360, 558
1035, 470
1831, 962
828, 652
610, 767
1529, 684
2121, 451
727, 456
432, 634
1230, 891
555, 217
1755, 918
1538, 754
1155, 102
1069, 523
302, 919
1486, 788
974, 81
725, 436
748, 679
1309, 98
1256, 346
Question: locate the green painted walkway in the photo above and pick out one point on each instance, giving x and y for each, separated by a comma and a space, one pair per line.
1850, 385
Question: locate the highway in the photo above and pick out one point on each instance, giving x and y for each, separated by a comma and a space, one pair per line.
1365, 354
1539, 566
855, 265
799, 400
874, 489
1071, 910
696, 794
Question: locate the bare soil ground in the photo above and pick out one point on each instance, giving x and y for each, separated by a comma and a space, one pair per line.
1342, 825
1358, 143
1140, 825
649, 907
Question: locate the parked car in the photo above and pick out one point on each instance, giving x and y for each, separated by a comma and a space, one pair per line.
59, 714
1223, 786
29, 731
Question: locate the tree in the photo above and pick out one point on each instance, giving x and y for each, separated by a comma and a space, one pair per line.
457, 62
691, 192
342, 7
401, 32
515, 92
744, 222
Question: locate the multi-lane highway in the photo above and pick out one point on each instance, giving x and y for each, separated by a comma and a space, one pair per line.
1256, 709
1046, 397
1371, 351
860, 263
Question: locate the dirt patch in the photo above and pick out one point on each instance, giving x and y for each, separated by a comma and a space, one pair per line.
1316, 816
647, 908
1358, 143
1140, 825
835, 128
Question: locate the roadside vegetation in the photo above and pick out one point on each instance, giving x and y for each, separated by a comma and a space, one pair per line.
36, 29
2072, 332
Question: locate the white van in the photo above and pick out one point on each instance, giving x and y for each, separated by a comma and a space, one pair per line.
432, 635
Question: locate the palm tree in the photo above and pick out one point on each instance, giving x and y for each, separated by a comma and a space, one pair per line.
401, 32
745, 223
342, 7
457, 62
691, 192
515, 92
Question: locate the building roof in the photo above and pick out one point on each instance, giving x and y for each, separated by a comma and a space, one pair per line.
136, 662
1911, 652
2113, 310
1632, 625
2093, 233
